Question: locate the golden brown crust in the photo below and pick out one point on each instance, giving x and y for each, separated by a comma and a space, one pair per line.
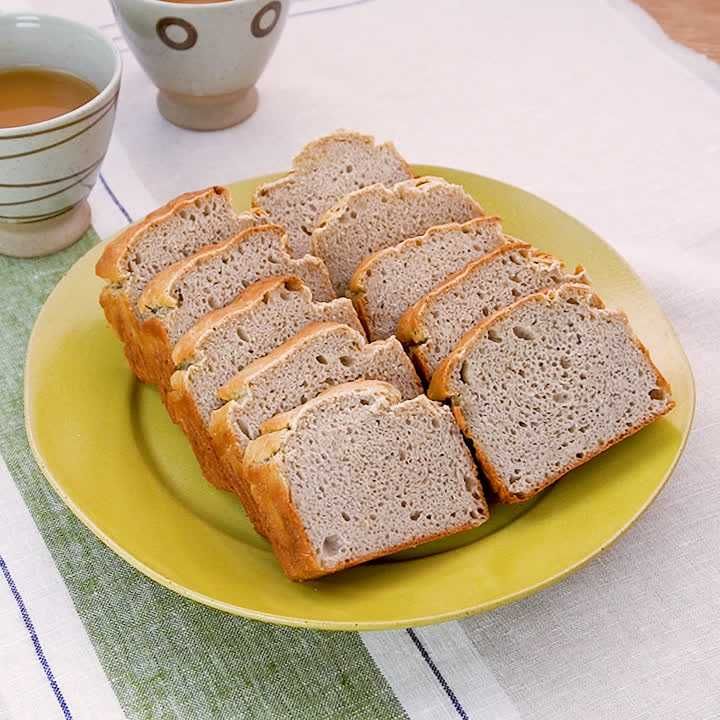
440, 390
281, 521
231, 456
279, 421
184, 412
121, 317
185, 348
420, 361
360, 303
239, 382
408, 331
153, 343
111, 267
158, 292
399, 547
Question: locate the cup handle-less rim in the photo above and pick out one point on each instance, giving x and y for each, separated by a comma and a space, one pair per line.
100, 100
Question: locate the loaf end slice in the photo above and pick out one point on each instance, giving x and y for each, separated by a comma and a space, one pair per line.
432, 327
388, 282
377, 217
547, 384
357, 473
325, 170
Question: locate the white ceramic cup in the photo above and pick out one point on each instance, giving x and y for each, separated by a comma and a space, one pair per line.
47, 169
204, 58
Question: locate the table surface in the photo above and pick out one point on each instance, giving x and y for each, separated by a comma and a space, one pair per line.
695, 23
588, 105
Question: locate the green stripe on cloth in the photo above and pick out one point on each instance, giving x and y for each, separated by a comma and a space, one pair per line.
168, 657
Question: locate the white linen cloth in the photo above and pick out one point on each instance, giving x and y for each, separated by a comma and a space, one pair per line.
591, 107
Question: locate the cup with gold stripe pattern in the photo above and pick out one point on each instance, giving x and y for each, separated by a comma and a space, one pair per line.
48, 168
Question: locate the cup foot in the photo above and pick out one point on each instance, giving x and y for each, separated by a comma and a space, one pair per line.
212, 112
44, 237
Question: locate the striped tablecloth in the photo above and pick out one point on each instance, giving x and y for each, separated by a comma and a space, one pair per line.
586, 104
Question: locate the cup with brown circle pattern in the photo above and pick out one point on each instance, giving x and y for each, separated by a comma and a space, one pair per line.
204, 57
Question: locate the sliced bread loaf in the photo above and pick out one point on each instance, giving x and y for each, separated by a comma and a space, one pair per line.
356, 474
388, 282
225, 341
545, 385
377, 217
324, 171
320, 355
177, 230
186, 291
432, 327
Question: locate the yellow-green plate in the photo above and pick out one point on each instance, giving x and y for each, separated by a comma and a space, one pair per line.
107, 447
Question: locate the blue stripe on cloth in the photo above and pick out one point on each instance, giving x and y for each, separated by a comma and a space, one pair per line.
436, 672
34, 638
113, 197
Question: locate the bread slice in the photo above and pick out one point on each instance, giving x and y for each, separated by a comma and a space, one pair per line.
388, 282
432, 327
186, 291
547, 384
377, 217
177, 230
324, 171
225, 341
356, 474
320, 355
